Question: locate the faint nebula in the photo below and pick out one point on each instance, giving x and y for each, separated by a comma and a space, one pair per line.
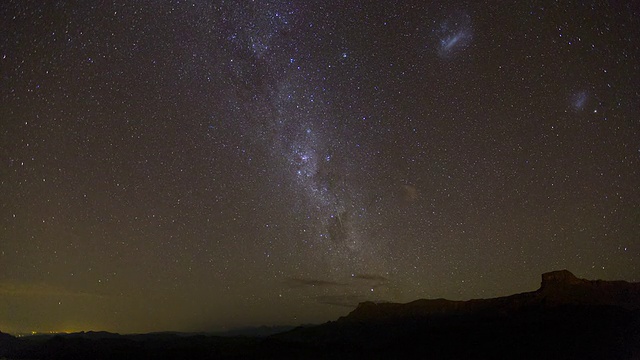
579, 100
454, 34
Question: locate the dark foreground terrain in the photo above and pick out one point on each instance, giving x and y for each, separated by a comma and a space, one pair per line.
567, 318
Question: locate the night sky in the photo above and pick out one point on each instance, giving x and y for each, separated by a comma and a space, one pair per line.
205, 165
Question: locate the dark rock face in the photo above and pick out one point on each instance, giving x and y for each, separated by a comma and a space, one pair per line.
559, 278
562, 287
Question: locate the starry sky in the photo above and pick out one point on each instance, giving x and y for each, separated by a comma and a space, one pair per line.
204, 165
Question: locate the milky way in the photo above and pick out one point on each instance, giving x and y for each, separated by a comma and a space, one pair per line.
307, 146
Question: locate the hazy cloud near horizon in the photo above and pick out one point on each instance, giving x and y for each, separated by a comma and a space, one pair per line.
349, 301
302, 282
373, 277
376, 279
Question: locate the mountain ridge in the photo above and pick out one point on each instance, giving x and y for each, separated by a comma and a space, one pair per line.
557, 288
566, 318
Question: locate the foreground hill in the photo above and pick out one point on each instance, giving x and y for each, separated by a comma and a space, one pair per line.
567, 318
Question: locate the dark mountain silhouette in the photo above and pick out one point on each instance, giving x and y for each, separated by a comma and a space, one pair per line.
259, 331
8, 345
94, 335
558, 288
566, 318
